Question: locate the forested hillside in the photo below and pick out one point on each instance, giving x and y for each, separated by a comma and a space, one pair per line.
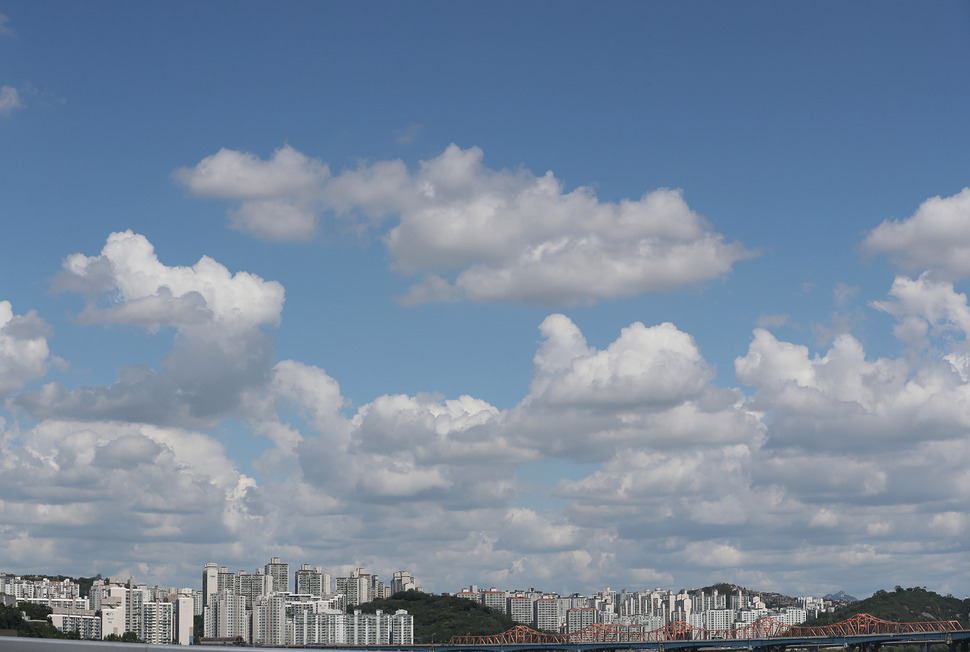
904, 605
35, 625
439, 617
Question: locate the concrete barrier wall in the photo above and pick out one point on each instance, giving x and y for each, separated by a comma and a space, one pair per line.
14, 644
11, 644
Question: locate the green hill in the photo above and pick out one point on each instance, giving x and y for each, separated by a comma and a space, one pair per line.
35, 625
439, 617
905, 606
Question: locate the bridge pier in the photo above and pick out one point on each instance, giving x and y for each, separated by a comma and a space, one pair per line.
958, 646
871, 647
770, 648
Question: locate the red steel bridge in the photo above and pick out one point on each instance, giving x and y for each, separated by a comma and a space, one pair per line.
862, 633
765, 628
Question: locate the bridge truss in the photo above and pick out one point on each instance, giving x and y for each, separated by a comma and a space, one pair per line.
859, 625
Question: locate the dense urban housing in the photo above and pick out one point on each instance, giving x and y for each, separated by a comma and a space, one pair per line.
273, 607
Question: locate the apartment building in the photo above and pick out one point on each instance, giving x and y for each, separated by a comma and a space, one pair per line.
545, 614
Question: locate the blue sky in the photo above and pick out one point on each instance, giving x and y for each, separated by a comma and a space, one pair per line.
559, 294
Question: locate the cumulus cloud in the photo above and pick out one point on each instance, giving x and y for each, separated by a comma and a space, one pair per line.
520, 237
24, 353
674, 476
450, 450
278, 199
112, 493
644, 479
10, 100
950, 523
844, 401
707, 554
649, 387
479, 234
846, 431
221, 351
139, 289
656, 365
936, 237
527, 530
446, 468
925, 307
625, 456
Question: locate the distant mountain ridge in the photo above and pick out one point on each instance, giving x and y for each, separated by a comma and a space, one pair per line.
841, 596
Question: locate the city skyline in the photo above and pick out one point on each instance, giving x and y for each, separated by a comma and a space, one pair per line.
555, 294
260, 607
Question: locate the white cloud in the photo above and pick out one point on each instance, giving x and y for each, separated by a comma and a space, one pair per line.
950, 523
312, 390
141, 290
773, 321
646, 463
936, 237
771, 361
425, 481
925, 306
407, 135
10, 100
820, 477
515, 236
220, 353
527, 530
706, 553
451, 451
844, 294
278, 199
844, 401
824, 518
475, 233
651, 387
5, 30
644, 366
111, 493
24, 353
647, 475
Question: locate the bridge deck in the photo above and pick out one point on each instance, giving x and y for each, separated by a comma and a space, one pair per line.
956, 640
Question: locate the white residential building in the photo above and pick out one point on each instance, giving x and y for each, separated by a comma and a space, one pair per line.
313, 581
791, 616
403, 581
87, 625
718, 619
545, 614
158, 622
494, 599
184, 620
252, 587
226, 616
112, 620
581, 618
280, 572
269, 621
519, 609
210, 580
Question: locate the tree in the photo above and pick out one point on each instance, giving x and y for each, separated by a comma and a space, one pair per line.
440, 617
198, 629
35, 611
